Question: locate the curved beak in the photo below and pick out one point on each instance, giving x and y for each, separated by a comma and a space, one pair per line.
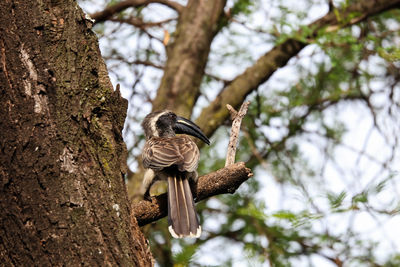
185, 126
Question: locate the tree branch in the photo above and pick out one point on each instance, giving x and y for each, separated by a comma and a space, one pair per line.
171, 4
110, 11
237, 117
226, 180
139, 23
235, 93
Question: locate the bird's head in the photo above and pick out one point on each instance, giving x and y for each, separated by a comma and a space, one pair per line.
166, 123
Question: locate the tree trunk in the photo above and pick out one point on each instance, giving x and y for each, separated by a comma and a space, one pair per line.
63, 199
187, 56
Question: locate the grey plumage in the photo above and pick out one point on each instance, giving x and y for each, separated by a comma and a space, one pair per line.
175, 159
182, 217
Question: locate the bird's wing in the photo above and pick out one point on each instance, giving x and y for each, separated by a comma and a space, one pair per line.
190, 153
159, 153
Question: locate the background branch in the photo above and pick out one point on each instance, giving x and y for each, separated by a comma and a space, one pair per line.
226, 180
110, 11
235, 93
139, 23
187, 55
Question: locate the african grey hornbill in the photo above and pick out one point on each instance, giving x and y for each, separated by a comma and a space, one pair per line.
174, 158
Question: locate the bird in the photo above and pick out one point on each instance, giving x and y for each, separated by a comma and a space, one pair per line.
170, 154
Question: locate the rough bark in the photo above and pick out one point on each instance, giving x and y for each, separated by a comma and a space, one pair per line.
63, 200
226, 180
236, 92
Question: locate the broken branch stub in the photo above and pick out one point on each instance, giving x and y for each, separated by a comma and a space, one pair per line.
234, 137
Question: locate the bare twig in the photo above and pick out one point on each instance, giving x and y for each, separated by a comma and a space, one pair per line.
217, 78
256, 153
110, 11
225, 180
139, 23
237, 121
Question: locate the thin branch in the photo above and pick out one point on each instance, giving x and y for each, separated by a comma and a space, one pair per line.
219, 79
254, 150
226, 180
110, 11
233, 140
139, 23
171, 4
147, 63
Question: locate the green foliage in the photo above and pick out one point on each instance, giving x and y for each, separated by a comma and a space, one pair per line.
390, 54
242, 7
336, 200
393, 261
184, 257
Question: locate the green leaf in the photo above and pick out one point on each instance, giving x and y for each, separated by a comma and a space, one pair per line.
360, 198
336, 200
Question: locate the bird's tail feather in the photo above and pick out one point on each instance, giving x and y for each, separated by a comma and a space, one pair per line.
182, 217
